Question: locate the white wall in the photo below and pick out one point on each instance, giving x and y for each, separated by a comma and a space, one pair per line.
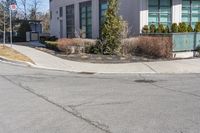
129, 9
133, 11
143, 14
176, 11
55, 24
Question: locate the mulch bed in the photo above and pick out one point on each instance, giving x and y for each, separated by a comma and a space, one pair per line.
95, 58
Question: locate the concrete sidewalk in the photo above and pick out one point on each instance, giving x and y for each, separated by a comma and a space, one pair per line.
44, 60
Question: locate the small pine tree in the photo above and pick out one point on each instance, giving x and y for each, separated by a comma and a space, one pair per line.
189, 28
161, 28
182, 27
145, 29
152, 28
174, 28
167, 30
197, 27
112, 28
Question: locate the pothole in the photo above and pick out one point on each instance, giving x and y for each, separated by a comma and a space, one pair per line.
145, 81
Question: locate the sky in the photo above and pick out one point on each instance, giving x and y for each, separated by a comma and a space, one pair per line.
44, 6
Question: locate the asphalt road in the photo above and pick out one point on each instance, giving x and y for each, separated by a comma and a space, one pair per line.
44, 101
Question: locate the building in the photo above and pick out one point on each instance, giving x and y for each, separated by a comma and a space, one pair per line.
69, 17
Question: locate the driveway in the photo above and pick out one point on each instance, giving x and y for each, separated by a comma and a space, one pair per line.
45, 101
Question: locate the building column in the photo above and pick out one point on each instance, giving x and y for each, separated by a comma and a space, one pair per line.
64, 22
176, 11
77, 19
95, 18
143, 13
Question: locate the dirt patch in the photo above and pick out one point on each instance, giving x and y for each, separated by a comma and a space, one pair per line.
95, 58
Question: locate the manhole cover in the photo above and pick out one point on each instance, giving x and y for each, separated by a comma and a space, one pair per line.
145, 81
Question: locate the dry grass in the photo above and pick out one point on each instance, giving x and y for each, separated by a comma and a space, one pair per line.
12, 54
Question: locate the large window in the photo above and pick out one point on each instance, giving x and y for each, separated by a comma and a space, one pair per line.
191, 11
86, 19
103, 5
160, 12
70, 21
60, 11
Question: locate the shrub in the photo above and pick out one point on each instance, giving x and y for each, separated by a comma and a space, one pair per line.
51, 45
161, 28
182, 27
152, 28
158, 47
111, 29
145, 29
43, 39
128, 46
167, 30
18, 39
198, 49
76, 45
189, 28
197, 27
24, 27
174, 28
95, 49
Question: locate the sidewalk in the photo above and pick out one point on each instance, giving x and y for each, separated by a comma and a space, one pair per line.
44, 60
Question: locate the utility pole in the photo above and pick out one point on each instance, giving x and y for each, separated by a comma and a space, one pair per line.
4, 27
12, 7
10, 26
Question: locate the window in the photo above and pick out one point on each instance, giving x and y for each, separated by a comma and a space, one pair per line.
50, 14
70, 21
86, 19
160, 12
191, 11
61, 12
102, 10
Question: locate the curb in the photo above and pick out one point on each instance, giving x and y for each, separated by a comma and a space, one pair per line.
4, 59
28, 64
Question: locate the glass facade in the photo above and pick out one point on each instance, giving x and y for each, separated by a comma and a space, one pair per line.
86, 19
191, 11
103, 5
160, 11
70, 25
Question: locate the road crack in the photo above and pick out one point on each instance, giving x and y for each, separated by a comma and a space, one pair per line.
165, 88
73, 111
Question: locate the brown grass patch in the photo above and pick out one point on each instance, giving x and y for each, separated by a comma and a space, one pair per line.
12, 54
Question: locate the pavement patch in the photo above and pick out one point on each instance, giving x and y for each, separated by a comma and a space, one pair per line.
145, 81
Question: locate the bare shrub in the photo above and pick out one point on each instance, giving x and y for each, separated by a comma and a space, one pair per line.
75, 45
128, 46
159, 47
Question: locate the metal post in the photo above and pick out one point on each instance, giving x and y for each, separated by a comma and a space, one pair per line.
4, 27
10, 27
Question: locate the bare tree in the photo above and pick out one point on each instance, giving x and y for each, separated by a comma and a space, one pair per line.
23, 3
34, 6
4, 14
45, 17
